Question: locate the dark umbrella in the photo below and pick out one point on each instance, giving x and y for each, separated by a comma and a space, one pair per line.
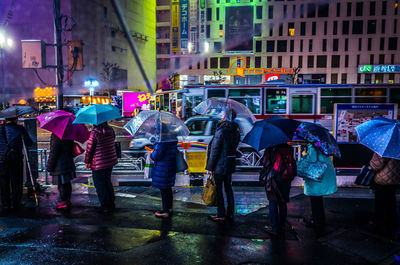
271, 132
16, 111
320, 137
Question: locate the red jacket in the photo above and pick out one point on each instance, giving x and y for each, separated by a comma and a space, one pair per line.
100, 151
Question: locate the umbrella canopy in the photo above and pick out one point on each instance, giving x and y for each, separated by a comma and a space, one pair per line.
60, 123
224, 106
320, 137
161, 125
16, 111
382, 136
271, 132
97, 114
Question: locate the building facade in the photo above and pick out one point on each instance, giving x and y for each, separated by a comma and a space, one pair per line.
95, 23
329, 42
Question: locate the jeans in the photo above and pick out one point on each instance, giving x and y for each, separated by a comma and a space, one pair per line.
104, 187
11, 174
226, 181
277, 215
386, 208
166, 196
318, 212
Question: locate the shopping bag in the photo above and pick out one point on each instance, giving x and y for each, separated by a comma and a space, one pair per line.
78, 150
148, 167
365, 177
210, 192
181, 164
311, 170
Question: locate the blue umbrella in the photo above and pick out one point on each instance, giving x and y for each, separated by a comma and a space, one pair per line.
271, 132
382, 136
320, 137
97, 114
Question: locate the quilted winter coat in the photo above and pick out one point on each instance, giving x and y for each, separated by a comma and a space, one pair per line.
164, 169
100, 151
387, 170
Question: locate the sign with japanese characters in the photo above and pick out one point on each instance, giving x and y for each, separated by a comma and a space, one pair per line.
378, 69
175, 25
348, 116
184, 24
133, 100
202, 24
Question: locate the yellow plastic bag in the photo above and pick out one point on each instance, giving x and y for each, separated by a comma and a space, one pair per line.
210, 192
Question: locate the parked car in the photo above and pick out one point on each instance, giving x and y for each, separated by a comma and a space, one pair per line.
202, 129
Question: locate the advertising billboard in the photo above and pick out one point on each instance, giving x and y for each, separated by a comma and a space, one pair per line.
175, 25
239, 29
349, 116
184, 24
202, 24
132, 100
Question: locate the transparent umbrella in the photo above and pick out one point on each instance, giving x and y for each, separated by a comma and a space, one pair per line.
224, 107
158, 125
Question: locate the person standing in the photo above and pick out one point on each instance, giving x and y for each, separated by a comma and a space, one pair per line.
386, 181
61, 167
101, 157
316, 189
163, 173
280, 169
11, 162
221, 162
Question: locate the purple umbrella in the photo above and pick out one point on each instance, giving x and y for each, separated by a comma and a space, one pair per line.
60, 123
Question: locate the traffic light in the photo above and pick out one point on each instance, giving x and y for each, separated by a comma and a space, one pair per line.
75, 55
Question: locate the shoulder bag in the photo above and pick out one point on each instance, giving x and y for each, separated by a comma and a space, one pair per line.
210, 192
311, 170
366, 176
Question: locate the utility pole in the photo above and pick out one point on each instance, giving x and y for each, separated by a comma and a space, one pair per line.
58, 52
3, 83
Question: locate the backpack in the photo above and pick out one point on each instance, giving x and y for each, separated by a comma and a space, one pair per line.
284, 167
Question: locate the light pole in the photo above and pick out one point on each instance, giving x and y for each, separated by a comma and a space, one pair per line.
5, 42
91, 84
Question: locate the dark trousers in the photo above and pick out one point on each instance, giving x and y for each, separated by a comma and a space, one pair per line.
166, 197
318, 212
65, 191
385, 209
11, 174
104, 187
277, 215
226, 182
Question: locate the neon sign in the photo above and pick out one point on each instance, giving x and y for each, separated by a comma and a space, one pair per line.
241, 71
378, 69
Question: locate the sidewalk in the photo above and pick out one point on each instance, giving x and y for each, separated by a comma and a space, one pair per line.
132, 235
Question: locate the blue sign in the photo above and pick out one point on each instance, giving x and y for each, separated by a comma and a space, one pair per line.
184, 24
378, 69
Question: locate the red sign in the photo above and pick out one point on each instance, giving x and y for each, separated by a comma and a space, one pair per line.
271, 77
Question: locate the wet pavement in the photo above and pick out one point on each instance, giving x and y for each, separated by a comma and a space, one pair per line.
133, 235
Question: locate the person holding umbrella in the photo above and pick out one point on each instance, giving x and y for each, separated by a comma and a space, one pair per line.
12, 136
382, 136
221, 162
164, 127
60, 163
101, 155
279, 167
321, 146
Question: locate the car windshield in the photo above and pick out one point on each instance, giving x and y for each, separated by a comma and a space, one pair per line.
197, 127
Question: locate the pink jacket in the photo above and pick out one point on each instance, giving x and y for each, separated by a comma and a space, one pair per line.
100, 151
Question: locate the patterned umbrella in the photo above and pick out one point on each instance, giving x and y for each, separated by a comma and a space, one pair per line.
320, 137
382, 136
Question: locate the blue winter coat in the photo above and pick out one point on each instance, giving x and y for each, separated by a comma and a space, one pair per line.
327, 185
15, 133
164, 168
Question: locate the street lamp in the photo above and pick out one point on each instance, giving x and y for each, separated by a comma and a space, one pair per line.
5, 42
91, 84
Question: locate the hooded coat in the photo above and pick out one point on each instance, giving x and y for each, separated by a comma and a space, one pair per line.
221, 154
164, 169
100, 151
